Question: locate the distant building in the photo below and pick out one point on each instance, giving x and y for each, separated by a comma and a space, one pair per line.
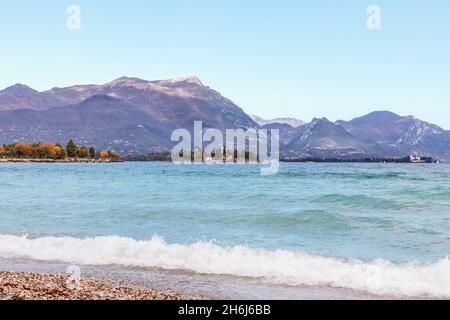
416, 159
420, 159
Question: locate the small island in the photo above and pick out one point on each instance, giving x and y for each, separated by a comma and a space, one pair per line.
407, 159
55, 153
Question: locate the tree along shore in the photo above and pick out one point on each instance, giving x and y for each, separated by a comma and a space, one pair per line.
49, 152
166, 157
67, 160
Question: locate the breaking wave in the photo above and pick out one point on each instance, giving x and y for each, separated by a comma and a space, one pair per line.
281, 267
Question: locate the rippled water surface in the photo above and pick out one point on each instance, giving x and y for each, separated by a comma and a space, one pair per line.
396, 212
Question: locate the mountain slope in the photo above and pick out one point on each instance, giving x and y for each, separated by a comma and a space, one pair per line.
20, 96
101, 121
401, 135
132, 115
178, 101
324, 139
129, 114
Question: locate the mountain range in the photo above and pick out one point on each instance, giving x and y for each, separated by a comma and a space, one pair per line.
135, 116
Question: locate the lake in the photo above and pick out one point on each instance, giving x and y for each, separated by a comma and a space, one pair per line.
379, 229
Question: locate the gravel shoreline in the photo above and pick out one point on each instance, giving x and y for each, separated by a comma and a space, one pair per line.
36, 286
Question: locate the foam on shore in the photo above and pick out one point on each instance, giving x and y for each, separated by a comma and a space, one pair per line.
281, 267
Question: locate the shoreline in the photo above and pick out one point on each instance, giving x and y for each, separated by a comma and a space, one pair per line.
186, 285
51, 286
60, 161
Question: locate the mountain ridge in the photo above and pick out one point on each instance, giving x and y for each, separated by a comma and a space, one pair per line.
136, 116
92, 114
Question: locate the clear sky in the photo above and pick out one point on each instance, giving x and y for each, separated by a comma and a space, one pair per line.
273, 58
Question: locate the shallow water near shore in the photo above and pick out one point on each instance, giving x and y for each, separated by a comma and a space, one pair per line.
191, 285
313, 230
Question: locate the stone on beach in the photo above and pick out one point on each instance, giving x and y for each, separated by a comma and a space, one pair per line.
34, 286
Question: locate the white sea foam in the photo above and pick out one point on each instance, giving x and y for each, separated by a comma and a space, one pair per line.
282, 267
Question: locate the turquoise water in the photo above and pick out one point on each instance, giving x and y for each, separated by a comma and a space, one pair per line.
397, 214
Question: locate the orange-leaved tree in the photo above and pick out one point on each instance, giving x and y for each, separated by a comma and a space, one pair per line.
104, 154
23, 150
83, 152
47, 150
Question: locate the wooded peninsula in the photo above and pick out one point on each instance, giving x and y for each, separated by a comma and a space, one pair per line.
50, 152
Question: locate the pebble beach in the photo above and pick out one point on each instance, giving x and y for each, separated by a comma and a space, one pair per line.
35, 286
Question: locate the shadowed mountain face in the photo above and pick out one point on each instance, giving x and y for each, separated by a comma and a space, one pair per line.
132, 115
102, 121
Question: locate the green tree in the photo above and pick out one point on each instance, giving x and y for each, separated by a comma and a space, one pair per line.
71, 149
92, 152
63, 153
10, 151
42, 152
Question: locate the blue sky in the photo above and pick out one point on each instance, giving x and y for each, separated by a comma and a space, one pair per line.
277, 58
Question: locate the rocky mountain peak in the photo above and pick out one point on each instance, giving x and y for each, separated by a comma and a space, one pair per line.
178, 80
418, 131
125, 81
19, 90
292, 122
377, 118
319, 121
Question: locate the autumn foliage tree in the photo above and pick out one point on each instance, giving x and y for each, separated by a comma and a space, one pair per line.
104, 154
53, 151
23, 150
83, 152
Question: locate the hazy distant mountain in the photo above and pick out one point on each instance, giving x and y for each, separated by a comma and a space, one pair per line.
132, 115
295, 123
397, 134
325, 139
286, 134
20, 96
